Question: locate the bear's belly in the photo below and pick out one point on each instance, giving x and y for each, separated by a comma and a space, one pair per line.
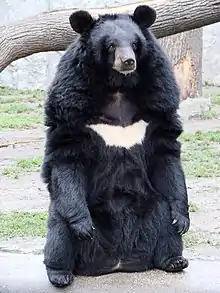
119, 136
119, 176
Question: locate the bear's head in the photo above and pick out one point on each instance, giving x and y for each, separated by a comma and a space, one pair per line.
115, 41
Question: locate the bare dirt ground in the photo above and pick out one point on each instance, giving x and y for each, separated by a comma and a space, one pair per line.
28, 193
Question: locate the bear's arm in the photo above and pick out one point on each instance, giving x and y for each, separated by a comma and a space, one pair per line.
68, 197
168, 179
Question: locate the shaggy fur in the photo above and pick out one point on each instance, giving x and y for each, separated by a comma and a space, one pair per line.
113, 209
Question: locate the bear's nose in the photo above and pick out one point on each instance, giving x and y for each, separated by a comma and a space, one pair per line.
129, 62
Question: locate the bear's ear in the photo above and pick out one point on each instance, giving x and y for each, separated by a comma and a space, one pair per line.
80, 21
144, 15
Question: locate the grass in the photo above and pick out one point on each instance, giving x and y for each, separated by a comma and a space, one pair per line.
21, 224
7, 91
200, 154
215, 100
199, 136
197, 238
21, 99
23, 166
20, 121
11, 108
201, 162
208, 114
16, 111
192, 239
9, 96
193, 207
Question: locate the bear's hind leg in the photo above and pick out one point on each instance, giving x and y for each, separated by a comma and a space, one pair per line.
59, 278
59, 252
175, 264
169, 248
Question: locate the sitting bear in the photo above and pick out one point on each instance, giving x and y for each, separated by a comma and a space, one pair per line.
112, 166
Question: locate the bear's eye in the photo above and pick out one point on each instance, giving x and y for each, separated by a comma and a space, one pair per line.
111, 48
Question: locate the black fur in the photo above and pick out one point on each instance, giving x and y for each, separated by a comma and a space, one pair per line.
144, 15
80, 21
108, 203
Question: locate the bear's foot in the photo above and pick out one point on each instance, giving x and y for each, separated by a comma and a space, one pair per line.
176, 264
59, 278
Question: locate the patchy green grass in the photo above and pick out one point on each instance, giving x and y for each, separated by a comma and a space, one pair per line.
16, 111
23, 166
18, 108
199, 136
208, 114
200, 161
9, 96
20, 121
200, 154
194, 239
193, 207
21, 99
7, 91
21, 224
215, 99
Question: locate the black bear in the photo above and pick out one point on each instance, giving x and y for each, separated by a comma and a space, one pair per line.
112, 160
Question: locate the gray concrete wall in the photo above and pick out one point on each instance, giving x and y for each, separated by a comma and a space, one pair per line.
37, 71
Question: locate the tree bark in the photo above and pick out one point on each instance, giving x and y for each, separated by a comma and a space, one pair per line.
185, 51
51, 31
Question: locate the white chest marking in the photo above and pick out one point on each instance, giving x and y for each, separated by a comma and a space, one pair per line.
121, 136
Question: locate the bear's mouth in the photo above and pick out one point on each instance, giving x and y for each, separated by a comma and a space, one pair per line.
126, 72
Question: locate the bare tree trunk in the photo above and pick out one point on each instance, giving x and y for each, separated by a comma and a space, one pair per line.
185, 52
51, 31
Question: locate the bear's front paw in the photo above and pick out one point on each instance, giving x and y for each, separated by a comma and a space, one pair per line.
181, 222
84, 230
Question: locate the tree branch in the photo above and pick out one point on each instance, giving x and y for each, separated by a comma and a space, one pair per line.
51, 31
